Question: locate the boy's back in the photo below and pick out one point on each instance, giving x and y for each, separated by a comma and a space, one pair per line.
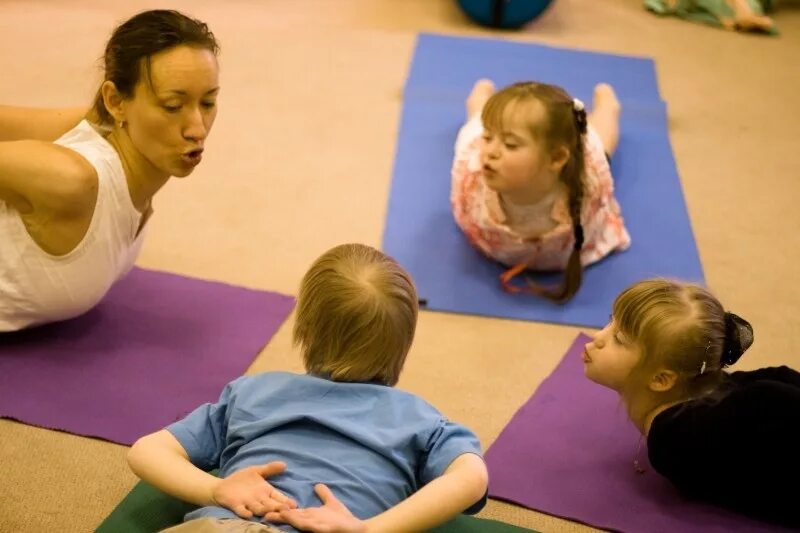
371, 444
350, 452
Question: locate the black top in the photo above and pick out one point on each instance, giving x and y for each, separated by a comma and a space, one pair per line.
738, 448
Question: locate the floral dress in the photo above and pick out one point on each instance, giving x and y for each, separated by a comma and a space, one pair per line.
479, 212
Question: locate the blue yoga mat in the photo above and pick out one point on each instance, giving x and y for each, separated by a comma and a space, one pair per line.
421, 234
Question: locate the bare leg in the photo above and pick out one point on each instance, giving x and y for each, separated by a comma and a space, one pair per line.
745, 18
481, 92
604, 117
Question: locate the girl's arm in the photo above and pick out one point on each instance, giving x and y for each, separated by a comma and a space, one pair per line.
463, 484
18, 123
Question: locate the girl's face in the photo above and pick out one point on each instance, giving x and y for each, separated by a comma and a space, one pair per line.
515, 162
172, 112
610, 357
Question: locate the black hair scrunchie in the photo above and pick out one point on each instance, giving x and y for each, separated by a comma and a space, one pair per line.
738, 338
578, 232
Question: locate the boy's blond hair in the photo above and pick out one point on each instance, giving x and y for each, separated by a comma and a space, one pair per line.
356, 315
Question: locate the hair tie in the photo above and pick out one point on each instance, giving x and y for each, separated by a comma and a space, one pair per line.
738, 338
579, 110
578, 237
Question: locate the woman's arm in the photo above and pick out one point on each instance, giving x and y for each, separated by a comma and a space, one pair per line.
42, 175
18, 123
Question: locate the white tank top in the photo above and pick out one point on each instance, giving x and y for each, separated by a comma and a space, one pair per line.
37, 287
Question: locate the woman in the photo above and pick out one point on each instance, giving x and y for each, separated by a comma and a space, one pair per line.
76, 188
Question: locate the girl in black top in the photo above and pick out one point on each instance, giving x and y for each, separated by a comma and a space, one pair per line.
732, 439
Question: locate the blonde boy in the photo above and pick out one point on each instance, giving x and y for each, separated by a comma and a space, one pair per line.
378, 458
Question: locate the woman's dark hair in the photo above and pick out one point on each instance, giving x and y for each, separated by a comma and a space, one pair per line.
135, 41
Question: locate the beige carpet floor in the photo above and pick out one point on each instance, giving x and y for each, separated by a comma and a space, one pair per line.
300, 160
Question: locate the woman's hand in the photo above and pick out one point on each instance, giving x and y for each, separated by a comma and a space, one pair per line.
331, 517
247, 493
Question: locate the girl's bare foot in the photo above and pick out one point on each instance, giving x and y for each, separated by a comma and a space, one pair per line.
481, 92
604, 117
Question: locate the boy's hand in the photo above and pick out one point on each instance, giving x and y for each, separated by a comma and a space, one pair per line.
247, 493
331, 517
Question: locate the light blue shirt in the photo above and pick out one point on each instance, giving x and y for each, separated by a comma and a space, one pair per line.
373, 445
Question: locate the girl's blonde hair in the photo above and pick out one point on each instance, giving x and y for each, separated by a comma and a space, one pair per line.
356, 315
681, 327
564, 125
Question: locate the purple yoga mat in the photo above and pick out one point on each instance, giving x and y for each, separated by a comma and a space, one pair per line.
569, 452
155, 348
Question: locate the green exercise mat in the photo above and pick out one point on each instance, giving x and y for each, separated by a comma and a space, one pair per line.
147, 510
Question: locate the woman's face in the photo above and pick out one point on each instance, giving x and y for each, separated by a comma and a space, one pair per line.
173, 108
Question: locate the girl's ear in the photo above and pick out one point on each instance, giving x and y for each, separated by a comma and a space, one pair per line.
663, 380
558, 158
